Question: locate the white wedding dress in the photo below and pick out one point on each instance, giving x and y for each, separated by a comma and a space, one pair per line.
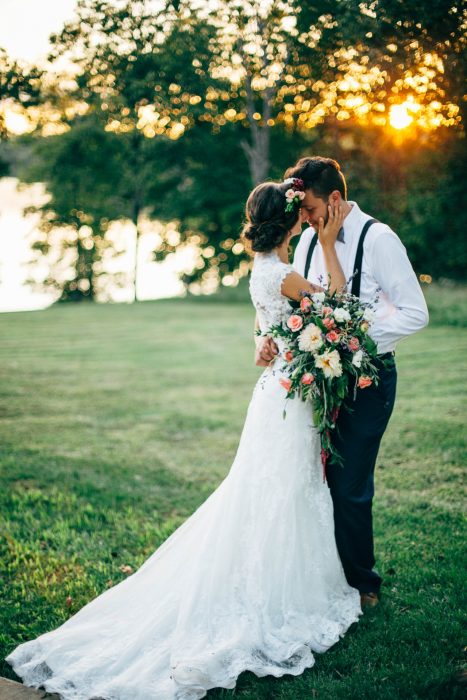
251, 581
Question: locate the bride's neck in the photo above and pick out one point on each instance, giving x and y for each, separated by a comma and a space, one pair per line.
283, 251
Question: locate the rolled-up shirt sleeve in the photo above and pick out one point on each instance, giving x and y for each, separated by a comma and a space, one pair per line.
407, 311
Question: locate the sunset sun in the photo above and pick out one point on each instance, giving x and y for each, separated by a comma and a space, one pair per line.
399, 116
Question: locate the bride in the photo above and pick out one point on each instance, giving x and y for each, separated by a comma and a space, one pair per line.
252, 580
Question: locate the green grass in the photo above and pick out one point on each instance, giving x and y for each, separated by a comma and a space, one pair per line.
118, 421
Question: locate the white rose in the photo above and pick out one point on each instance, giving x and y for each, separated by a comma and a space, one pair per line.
368, 315
341, 314
330, 363
310, 338
290, 194
319, 297
357, 358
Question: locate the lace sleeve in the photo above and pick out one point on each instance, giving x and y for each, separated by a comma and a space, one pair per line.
265, 287
275, 280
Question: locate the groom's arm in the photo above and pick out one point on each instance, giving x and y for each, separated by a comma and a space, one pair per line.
394, 274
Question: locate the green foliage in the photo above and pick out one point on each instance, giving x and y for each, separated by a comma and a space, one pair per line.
82, 171
394, 36
113, 433
18, 83
188, 161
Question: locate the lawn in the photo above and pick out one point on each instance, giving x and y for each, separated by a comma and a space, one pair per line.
118, 421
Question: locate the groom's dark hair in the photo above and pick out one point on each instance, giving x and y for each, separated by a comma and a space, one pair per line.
322, 175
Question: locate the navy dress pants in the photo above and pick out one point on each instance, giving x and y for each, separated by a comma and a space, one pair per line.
352, 485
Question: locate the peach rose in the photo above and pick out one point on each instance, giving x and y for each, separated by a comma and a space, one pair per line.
333, 336
354, 344
326, 310
305, 304
308, 378
286, 383
329, 323
294, 322
288, 356
363, 382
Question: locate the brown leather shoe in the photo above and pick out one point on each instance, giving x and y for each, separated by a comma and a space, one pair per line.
369, 600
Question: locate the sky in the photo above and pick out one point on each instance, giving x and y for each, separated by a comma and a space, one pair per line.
25, 25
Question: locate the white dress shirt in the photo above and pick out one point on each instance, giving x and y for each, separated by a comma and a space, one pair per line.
387, 275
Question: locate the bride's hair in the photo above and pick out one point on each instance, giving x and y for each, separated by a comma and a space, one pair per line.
267, 223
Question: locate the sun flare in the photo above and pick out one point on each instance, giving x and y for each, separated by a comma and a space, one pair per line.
399, 116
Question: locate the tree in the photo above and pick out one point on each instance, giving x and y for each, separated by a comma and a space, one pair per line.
81, 171
19, 84
404, 49
131, 60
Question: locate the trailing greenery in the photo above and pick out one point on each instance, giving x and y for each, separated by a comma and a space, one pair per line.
118, 421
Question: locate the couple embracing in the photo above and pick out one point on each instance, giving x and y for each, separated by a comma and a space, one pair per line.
276, 564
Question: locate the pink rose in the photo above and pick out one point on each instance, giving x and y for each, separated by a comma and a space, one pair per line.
333, 336
290, 194
363, 382
308, 378
305, 304
354, 344
326, 310
286, 383
288, 356
295, 322
329, 323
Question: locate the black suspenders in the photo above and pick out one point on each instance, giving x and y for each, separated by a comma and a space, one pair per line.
357, 268
313, 242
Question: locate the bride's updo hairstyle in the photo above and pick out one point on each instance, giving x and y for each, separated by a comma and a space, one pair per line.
267, 223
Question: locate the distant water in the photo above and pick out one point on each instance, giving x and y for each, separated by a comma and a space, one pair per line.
155, 280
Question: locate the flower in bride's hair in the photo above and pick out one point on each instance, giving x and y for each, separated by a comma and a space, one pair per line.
294, 322
310, 339
286, 383
330, 363
290, 194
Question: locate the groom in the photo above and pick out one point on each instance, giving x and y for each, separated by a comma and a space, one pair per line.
373, 254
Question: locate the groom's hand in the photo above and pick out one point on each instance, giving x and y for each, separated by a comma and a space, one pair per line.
266, 350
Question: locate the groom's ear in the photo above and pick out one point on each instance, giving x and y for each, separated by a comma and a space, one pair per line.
335, 197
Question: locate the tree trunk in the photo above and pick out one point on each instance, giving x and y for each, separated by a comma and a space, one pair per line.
135, 219
257, 153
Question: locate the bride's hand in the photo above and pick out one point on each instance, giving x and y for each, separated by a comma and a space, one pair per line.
327, 235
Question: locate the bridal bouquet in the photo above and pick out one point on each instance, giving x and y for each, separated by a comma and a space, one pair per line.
329, 354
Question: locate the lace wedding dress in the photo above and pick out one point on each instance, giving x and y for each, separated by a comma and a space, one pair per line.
251, 581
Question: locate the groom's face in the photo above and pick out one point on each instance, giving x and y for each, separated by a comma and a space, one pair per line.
313, 208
